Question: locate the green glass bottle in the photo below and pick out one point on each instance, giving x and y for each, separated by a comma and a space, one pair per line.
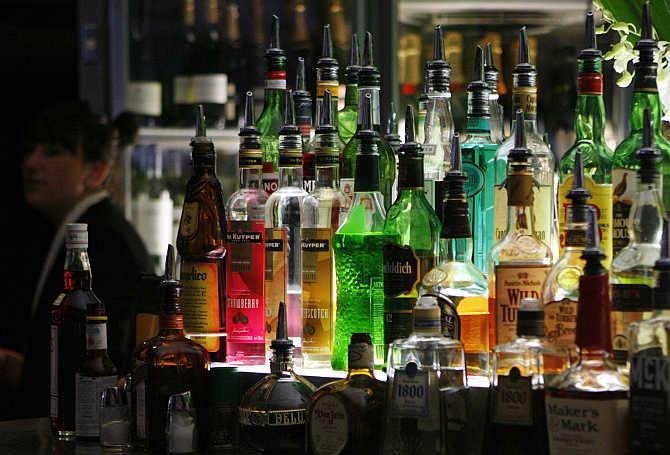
358, 247
414, 221
590, 141
479, 153
369, 81
348, 118
624, 162
271, 119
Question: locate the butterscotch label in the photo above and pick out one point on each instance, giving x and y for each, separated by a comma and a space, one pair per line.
275, 277
201, 301
318, 290
560, 322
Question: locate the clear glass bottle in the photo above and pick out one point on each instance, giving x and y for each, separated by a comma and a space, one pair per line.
302, 100
524, 96
497, 121
456, 278
346, 416
414, 223
632, 275
650, 363
426, 408
348, 116
520, 370
323, 212
273, 411
283, 275
245, 267
358, 247
520, 261
439, 122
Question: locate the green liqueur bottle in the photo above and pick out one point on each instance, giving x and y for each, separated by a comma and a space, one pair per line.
624, 162
414, 222
479, 152
348, 118
369, 83
272, 117
358, 246
590, 141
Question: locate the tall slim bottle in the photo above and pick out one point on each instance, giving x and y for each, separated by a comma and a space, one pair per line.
348, 117
201, 245
358, 247
323, 212
245, 267
590, 141
186, 65
520, 261
283, 272
624, 161
270, 120
524, 96
439, 122
302, 101
369, 83
491, 75
479, 151
416, 226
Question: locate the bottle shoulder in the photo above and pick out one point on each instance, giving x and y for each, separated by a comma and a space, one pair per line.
591, 376
520, 248
454, 279
278, 392
177, 350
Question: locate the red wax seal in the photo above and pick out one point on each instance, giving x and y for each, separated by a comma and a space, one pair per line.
590, 84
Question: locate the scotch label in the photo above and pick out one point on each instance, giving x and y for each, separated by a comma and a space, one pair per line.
329, 426
410, 392
650, 401
401, 269
560, 322
317, 290
294, 417
201, 301
513, 403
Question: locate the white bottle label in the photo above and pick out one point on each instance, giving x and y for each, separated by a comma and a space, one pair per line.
329, 426
347, 187
140, 406
144, 97
410, 393
210, 88
87, 406
96, 336
53, 393
587, 427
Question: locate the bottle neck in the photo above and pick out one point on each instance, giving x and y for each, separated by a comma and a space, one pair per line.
351, 96
530, 126
376, 116
327, 176
520, 220
477, 125
204, 166
171, 324
593, 335
646, 215
282, 361
456, 250
640, 101
290, 176
77, 273
251, 178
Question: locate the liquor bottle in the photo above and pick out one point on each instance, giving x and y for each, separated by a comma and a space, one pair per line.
235, 62
272, 412
524, 97
632, 275
302, 100
346, 416
456, 279
283, 274
491, 76
348, 118
590, 141
439, 123
369, 83
358, 247
560, 292
649, 368
520, 261
323, 212
68, 330
426, 406
174, 364
187, 63
624, 161
587, 405
270, 120
479, 152
415, 226
201, 246
520, 370
245, 267
422, 107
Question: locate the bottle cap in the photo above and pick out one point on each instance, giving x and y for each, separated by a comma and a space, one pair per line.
274, 49
590, 50
325, 125
490, 71
648, 155
290, 141
478, 90
427, 315
76, 236
520, 153
530, 320
455, 204
437, 71
578, 195
281, 341
592, 254
369, 75
646, 45
366, 176
524, 72
410, 164
170, 292
361, 352
326, 66
250, 155
351, 71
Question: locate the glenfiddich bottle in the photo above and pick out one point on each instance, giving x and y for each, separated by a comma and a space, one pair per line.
624, 161
245, 267
68, 330
632, 274
348, 116
323, 212
416, 227
201, 245
590, 141
273, 411
271, 119
587, 405
346, 416
519, 262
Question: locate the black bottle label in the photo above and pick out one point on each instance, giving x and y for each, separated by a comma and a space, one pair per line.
401, 269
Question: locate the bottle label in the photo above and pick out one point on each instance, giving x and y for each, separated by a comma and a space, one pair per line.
401, 269
560, 322
624, 184
525, 98
650, 401
499, 212
87, 408
601, 201
475, 178
429, 149
347, 188
140, 409
318, 291
96, 335
144, 97
283, 418
210, 88
201, 300
329, 426
275, 277
53, 389
332, 86
188, 226
513, 404
513, 283
631, 297
450, 321
275, 80
587, 427
183, 90
245, 282
410, 392
270, 178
